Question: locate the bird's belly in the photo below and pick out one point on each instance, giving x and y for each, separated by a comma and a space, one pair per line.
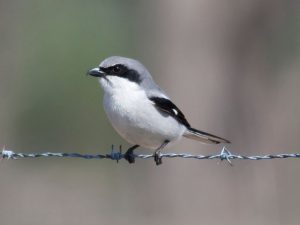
137, 120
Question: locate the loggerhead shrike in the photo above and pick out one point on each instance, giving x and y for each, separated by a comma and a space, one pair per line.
140, 111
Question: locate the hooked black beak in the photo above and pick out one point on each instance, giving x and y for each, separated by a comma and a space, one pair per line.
96, 72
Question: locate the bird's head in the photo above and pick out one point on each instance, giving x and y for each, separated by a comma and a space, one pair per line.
118, 72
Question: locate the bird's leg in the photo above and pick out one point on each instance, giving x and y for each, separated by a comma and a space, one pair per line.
129, 154
157, 156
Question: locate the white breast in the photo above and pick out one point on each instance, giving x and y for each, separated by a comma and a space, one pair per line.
135, 117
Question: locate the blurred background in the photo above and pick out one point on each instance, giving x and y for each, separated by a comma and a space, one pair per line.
232, 67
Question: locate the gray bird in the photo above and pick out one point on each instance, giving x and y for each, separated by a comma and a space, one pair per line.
140, 111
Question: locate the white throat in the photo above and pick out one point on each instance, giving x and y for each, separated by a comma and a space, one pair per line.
115, 85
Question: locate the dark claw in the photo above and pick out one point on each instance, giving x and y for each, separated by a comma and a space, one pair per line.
129, 157
157, 158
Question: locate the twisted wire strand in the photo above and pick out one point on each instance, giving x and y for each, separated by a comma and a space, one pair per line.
118, 155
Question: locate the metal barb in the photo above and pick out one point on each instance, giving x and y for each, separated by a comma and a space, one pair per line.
7, 154
114, 155
226, 155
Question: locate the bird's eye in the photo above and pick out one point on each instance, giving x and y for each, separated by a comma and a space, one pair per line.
116, 69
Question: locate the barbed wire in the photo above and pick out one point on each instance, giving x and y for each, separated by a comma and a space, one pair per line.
225, 154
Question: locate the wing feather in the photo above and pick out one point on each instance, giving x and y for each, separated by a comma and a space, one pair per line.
170, 108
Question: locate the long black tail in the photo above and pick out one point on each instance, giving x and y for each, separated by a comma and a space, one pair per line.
198, 135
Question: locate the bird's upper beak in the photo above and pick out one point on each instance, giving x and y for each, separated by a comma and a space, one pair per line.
96, 72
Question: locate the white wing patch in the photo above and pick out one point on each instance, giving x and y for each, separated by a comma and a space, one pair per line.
175, 111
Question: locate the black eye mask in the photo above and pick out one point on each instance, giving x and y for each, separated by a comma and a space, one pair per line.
122, 71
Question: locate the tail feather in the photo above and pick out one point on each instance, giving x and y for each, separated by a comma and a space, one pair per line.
198, 135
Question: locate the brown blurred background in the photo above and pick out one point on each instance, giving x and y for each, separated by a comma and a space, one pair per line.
232, 66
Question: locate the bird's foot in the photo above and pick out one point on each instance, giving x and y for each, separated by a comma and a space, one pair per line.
157, 158
129, 155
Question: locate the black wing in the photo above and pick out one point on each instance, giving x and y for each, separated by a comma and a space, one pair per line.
170, 108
